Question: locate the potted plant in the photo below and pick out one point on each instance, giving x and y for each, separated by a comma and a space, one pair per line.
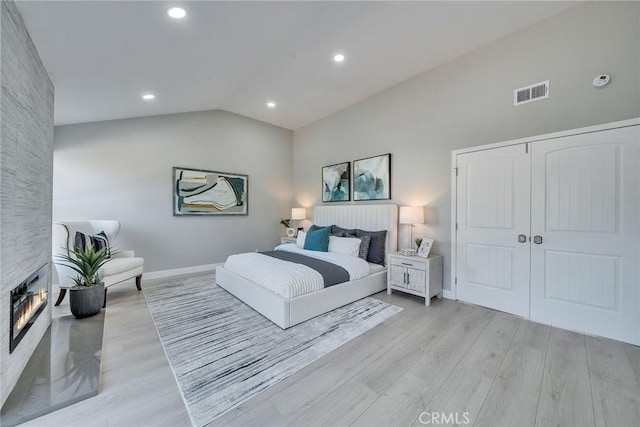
87, 295
286, 223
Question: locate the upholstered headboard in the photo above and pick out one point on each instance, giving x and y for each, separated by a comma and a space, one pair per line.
365, 217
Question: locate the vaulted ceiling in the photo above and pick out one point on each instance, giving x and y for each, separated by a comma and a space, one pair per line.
104, 55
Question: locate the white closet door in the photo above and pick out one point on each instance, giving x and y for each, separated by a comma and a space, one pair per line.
585, 271
493, 209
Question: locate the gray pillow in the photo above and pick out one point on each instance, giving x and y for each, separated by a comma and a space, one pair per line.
365, 242
377, 247
342, 232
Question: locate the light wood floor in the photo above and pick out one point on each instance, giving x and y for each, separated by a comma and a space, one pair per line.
491, 368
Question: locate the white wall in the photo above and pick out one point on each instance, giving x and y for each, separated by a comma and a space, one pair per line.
26, 162
468, 102
123, 170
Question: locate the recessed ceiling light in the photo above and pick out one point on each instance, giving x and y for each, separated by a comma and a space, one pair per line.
338, 57
176, 12
148, 96
271, 104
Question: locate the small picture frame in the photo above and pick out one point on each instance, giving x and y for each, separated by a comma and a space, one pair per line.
425, 247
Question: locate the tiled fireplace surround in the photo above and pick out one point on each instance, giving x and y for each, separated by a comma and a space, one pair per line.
26, 175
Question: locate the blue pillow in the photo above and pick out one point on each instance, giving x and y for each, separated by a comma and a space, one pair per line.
317, 239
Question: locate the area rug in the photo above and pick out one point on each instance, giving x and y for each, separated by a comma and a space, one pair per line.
223, 353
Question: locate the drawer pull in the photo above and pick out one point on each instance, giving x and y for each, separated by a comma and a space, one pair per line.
406, 263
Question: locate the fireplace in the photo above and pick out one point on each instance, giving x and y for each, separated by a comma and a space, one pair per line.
28, 300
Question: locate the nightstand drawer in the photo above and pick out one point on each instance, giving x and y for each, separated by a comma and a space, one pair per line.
408, 264
284, 240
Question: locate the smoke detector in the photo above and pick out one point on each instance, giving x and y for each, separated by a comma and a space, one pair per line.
601, 80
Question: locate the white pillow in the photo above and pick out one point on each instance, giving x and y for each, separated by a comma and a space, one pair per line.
302, 236
344, 245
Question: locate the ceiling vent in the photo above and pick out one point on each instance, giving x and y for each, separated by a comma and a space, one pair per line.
531, 93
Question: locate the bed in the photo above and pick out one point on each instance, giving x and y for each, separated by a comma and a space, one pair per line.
287, 312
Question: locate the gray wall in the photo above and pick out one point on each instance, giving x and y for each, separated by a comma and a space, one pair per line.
468, 102
123, 170
26, 162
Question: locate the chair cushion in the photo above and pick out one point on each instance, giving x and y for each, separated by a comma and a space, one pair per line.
121, 265
98, 241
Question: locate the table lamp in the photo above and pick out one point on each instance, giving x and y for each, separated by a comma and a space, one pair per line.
411, 215
298, 214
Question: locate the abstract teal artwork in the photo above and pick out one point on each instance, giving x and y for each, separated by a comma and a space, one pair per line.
335, 182
372, 178
202, 192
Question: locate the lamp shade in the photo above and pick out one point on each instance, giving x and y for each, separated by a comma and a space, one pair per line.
298, 213
411, 215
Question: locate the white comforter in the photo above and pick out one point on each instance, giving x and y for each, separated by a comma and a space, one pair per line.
289, 279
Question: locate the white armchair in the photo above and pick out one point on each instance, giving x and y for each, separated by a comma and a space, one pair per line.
122, 266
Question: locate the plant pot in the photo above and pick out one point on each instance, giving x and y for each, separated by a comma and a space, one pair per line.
86, 302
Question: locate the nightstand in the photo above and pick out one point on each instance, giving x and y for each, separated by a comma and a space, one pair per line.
285, 239
415, 275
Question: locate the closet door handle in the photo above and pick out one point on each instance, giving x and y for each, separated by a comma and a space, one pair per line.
522, 238
537, 239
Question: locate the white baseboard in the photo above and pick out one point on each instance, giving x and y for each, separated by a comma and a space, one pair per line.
448, 294
179, 271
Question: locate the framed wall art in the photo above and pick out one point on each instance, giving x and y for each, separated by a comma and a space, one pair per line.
336, 180
372, 178
206, 193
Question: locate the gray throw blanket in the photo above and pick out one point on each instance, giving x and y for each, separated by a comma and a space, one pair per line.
331, 273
